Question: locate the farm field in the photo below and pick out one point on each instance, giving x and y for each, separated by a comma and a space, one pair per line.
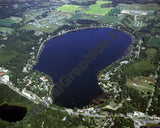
69, 8
109, 19
144, 66
140, 68
144, 7
51, 28
6, 22
5, 30
82, 1
97, 9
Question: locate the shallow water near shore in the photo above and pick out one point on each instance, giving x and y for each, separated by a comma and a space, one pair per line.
89, 51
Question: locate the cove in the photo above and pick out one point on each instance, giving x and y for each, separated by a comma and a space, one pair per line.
60, 55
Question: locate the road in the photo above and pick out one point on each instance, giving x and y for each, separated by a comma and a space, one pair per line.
21, 93
156, 76
146, 121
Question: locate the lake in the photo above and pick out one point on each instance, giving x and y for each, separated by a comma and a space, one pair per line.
12, 113
74, 59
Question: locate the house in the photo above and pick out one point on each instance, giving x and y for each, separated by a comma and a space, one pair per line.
64, 118
43, 79
139, 114
5, 78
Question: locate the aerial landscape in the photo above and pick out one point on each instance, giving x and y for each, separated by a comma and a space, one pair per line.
79, 63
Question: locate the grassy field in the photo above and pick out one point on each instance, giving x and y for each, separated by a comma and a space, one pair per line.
69, 8
31, 94
147, 7
82, 1
6, 22
151, 52
155, 31
141, 67
50, 28
141, 83
149, 125
154, 42
5, 30
109, 19
144, 7
15, 19
97, 10
6, 56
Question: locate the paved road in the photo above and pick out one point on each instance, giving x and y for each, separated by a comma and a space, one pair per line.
147, 121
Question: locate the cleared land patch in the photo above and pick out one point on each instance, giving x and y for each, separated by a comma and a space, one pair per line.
5, 30
69, 8
82, 1
48, 29
151, 52
97, 9
139, 68
141, 83
6, 22
9, 21
144, 7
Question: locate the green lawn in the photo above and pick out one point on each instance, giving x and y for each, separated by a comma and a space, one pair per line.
69, 8
36, 98
83, 1
96, 8
141, 83
108, 19
154, 42
5, 29
144, 7
151, 53
50, 29
6, 22
143, 67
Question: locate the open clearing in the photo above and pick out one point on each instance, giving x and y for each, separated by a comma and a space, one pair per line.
6, 22
144, 7
141, 83
97, 9
5, 30
69, 8
94, 9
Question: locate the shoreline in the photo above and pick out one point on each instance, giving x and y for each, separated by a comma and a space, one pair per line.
127, 53
51, 37
42, 45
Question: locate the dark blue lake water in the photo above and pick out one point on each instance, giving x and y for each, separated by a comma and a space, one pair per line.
73, 60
